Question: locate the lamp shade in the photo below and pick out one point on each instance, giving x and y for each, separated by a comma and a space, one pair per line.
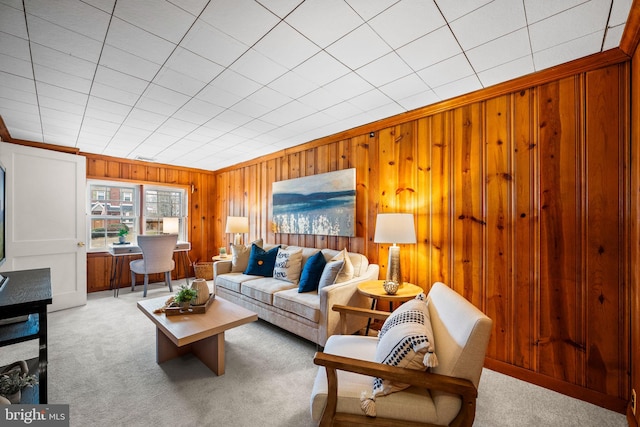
170, 225
237, 224
395, 228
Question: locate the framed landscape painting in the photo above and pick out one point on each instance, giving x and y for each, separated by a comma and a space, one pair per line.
323, 204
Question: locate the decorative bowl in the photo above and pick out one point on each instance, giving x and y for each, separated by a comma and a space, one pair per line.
390, 287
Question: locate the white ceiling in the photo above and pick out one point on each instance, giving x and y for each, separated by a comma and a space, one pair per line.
211, 83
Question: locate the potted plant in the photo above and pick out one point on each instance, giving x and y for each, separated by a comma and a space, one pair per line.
184, 296
13, 379
122, 233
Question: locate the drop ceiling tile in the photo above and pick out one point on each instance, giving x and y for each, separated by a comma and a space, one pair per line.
489, 22
280, 8
120, 80
63, 40
430, 49
156, 142
244, 20
320, 99
100, 126
505, 72
194, 7
145, 120
321, 69
14, 47
20, 107
367, 9
459, 87
220, 125
109, 93
212, 44
371, 99
384, 70
341, 111
613, 37
218, 96
234, 117
62, 119
348, 86
298, 48
258, 67
204, 135
167, 20
385, 111
269, 98
27, 135
18, 67
538, 10
116, 111
197, 111
254, 128
104, 5
574, 23
288, 113
166, 96
418, 100
12, 21
177, 128
127, 63
500, 51
619, 12
60, 105
324, 21
404, 87
452, 69
453, 10
407, 21
61, 79
99, 113
153, 105
9, 92
292, 85
189, 64
359, 47
235, 83
250, 108
53, 59
567, 51
178, 82
73, 15
26, 85
136, 41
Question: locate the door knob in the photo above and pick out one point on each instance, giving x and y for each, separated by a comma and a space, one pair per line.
80, 244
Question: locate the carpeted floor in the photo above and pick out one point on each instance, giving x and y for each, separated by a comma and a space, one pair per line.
102, 363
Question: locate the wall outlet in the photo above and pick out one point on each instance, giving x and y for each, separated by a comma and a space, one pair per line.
633, 401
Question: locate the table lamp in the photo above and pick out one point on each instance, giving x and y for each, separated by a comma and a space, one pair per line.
394, 228
170, 225
237, 225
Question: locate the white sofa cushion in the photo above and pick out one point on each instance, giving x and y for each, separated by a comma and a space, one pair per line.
305, 304
347, 270
288, 265
263, 288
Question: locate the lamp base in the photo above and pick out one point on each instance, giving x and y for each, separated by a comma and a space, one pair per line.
394, 272
237, 240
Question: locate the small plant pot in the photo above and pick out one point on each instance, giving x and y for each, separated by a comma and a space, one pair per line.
185, 306
122, 239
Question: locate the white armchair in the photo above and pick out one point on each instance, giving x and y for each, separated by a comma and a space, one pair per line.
445, 396
157, 257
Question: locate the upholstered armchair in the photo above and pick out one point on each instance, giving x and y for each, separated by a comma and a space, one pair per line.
442, 396
157, 257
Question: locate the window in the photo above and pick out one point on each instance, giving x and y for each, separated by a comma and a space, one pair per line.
117, 206
112, 208
160, 204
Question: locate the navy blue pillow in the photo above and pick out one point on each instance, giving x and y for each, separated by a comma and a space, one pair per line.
261, 262
311, 273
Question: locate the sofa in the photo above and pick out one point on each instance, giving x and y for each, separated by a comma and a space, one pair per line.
276, 295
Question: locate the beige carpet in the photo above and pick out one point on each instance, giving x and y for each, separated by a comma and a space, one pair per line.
102, 363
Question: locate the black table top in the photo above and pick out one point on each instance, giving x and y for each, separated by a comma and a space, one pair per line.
26, 290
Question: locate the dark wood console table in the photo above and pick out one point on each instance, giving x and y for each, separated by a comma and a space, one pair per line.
28, 292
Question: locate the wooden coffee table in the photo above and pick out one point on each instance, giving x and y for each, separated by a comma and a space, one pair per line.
200, 334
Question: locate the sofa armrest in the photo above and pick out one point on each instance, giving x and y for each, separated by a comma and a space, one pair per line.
221, 267
345, 293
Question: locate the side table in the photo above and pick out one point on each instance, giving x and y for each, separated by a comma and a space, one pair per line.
374, 290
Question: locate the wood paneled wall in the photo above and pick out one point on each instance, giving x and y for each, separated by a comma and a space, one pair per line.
199, 186
522, 205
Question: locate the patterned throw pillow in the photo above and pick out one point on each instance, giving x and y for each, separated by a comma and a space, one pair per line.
347, 271
288, 265
240, 256
330, 273
261, 262
405, 340
311, 273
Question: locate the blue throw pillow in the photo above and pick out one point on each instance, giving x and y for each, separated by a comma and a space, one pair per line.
311, 273
261, 262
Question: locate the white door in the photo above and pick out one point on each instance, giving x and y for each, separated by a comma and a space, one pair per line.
46, 218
